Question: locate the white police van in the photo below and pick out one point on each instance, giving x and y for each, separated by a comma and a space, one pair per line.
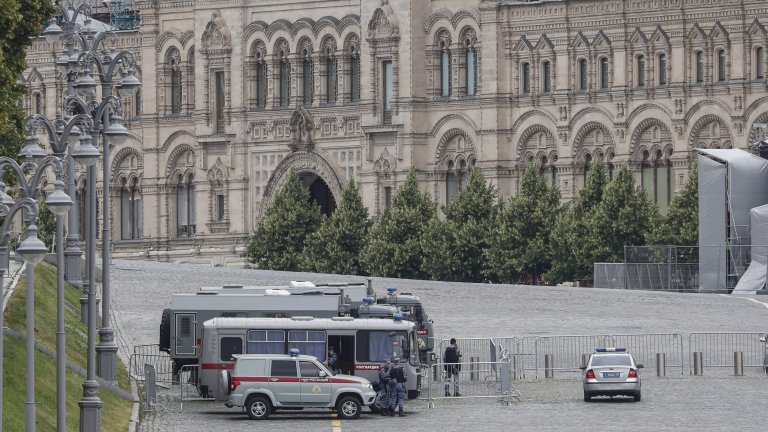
262, 382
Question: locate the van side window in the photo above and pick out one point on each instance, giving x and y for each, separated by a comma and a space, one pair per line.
229, 347
266, 342
379, 345
308, 342
309, 369
283, 368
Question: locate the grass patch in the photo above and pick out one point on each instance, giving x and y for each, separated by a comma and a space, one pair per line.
116, 411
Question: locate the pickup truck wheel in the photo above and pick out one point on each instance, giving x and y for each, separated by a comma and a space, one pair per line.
258, 407
349, 407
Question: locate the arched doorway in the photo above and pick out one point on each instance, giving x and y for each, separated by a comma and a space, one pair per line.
319, 191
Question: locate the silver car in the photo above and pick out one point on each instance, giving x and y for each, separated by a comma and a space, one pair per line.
611, 372
262, 383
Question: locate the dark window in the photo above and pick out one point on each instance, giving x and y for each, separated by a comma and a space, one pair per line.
583, 75
229, 347
662, 69
355, 78
721, 65
471, 72
611, 360
330, 79
526, 78
220, 86
388, 87
137, 104
185, 326
380, 345
699, 67
547, 66
185, 207
219, 207
604, 73
307, 81
266, 342
445, 72
388, 197
640, 71
309, 369
283, 368
760, 63
38, 104
175, 89
285, 80
261, 85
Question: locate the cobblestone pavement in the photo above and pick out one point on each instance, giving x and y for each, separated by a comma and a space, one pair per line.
715, 402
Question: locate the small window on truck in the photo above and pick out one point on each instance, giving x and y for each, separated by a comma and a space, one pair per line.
283, 368
380, 345
308, 342
265, 342
229, 347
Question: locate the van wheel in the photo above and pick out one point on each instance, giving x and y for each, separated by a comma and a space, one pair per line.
258, 408
349, 407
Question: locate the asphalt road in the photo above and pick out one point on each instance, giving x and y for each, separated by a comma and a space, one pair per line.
714, 402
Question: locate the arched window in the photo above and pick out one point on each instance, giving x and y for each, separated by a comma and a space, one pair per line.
260, 81
284, 78
759, 63
471, 64
526, 73
699, 67
548, 170
451, 183
306, 76
130, 210
640, 70
656, 179
185, 206
354, 69
330, 76
173, 63
547, 77
721, 66
604, 73
583, 75
587, 166
445, 70
38, 104
662, 69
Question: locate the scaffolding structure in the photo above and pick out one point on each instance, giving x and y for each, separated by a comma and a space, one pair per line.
123, 15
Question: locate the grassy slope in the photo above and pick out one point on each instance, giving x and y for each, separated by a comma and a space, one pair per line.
116, 411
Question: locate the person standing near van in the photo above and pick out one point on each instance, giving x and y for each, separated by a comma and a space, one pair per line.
397, 375
452, 367
384, 385
333, 361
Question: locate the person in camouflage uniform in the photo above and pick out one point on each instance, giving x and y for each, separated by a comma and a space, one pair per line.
384, 384
397, 379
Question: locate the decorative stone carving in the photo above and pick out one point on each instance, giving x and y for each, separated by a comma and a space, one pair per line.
302, 128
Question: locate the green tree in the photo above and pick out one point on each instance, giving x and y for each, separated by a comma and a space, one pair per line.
681, 224
46, 225
335, 247
395, 246
519, 247
279, 240
454, 247
20, 22
570, 253
624, 217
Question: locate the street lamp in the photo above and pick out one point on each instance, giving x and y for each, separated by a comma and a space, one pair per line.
32, 250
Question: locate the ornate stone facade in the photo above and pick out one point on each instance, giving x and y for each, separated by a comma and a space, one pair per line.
238, 93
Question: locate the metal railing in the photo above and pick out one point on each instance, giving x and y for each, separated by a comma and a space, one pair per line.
188, 375
717, 349
476, 380
150, 354
564, 353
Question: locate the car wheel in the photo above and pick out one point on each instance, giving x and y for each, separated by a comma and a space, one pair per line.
349, 407
587, 397
637, 397
258, 407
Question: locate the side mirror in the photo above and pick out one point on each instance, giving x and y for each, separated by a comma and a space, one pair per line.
582, 367
639, 365
322, 374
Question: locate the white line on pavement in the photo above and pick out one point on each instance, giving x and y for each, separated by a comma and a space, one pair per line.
747, 298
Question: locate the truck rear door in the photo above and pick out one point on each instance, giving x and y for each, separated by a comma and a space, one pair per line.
186, 334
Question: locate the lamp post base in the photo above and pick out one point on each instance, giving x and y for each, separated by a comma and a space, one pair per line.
90, 408
106, 350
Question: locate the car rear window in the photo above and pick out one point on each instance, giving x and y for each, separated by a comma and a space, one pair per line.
611, 360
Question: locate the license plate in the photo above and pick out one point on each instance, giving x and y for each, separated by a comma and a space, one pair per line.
611, 374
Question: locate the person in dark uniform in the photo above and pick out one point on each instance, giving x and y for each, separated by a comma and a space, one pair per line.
452, 367
399, 377
384, 384
333, 361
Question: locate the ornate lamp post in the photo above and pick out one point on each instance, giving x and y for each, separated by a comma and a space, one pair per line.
32, 250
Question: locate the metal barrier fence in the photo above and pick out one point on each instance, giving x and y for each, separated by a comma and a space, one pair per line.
476, 380
569, 353
717, 349
188, 375
150, 354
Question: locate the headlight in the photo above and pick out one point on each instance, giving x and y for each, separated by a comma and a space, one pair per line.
366, 386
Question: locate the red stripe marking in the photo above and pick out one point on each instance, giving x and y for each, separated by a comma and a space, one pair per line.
251, 379
218, 366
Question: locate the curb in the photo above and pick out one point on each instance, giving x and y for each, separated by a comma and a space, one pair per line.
134, 423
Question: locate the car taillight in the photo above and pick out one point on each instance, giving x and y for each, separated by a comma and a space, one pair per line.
235, 384
632, 373
590, 374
